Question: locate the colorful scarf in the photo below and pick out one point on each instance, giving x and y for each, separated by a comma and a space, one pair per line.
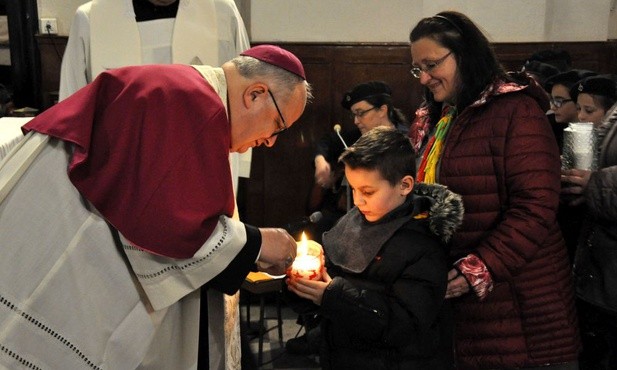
434, 148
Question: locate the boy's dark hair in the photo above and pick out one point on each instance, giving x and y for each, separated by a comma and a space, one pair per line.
384, 149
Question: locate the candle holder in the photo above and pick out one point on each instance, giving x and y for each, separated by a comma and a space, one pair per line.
309, 260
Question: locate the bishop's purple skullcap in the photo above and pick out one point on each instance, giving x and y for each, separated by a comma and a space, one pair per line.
278, 57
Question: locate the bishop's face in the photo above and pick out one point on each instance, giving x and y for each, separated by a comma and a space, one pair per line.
265, 114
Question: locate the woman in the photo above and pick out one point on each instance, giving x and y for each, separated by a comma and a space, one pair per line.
595, 262
370, 106
485, 136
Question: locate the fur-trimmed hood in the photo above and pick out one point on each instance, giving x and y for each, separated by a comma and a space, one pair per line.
354, 242
446, 209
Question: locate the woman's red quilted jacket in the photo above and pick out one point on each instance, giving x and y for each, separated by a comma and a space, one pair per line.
502, 157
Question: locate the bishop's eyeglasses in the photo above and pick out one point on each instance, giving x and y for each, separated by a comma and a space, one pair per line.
280, 129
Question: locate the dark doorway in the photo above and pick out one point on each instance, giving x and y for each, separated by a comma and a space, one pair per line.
24, 75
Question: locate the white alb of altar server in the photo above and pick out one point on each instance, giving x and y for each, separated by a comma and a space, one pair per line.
105, 35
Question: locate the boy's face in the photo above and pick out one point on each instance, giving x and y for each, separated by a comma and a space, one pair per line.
375, 196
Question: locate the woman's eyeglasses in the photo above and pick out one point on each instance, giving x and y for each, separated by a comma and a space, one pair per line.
417, 71
360, 113
558, 102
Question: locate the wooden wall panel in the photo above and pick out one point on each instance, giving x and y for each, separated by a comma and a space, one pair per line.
282, 176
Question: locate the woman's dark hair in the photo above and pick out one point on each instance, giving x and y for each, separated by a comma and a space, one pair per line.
477, 63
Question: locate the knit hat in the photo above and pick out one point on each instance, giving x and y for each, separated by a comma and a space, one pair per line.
365, 91
603, 85
277, 57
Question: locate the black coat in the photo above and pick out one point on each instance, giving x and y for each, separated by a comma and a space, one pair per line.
389, 312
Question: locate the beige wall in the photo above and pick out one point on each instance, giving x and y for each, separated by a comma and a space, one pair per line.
612, 21
391, 20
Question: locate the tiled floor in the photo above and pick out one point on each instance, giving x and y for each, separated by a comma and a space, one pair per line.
275, 357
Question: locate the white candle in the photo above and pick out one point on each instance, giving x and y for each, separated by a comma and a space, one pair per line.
306, 267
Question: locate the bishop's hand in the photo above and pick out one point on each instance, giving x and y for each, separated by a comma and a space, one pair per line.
278, 251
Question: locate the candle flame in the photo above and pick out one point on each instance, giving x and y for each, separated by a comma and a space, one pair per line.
303, 245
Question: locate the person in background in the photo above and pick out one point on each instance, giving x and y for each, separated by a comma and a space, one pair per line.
539, 71
557, 58
595, 263
108, 34
594, 96
562, 104
120, 209
370, 105
484, 134
382, 295
564, 110
595, 266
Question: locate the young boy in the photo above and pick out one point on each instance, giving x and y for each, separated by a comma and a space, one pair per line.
382, 297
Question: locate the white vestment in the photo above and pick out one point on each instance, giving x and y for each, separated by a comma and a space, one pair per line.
160, 41
75, 296
77, 68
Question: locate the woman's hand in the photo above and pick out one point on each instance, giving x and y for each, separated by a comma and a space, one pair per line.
575, 181
310, 289
323, 173
457, 284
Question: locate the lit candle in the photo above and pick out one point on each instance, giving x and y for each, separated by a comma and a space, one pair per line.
308, 262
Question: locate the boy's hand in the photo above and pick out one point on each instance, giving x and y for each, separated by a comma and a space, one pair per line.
457, 285
310, 289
